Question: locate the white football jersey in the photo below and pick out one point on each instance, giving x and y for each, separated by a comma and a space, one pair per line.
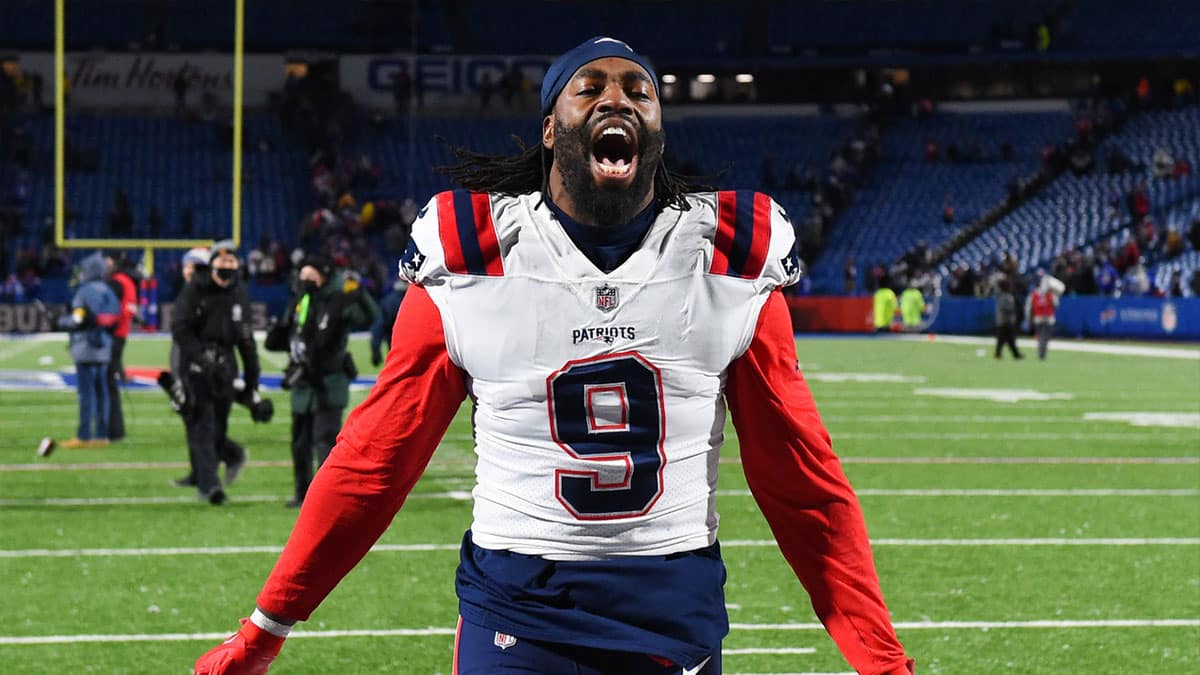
599, 412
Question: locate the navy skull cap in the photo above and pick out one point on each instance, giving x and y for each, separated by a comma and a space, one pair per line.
599, 47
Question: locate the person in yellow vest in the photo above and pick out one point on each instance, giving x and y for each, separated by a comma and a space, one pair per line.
885, 308
1040, 307
912, 305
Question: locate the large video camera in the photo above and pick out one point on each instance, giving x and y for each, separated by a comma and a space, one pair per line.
261, 409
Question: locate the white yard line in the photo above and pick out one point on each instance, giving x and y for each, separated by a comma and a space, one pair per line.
433, 631
465, 495
850, 459
19, 347
997, 492
769, 650
1066, 346
1019, 436
989, 625
460, 495
987, 460
733, 543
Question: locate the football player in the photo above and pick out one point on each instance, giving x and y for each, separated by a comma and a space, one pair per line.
602, 315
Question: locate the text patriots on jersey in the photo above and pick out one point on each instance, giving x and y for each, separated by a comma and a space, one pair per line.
605, 334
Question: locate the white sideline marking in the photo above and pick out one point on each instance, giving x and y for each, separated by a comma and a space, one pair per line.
822, 376
769, 650
460, 495
1066, 346
988, 625
733, 543
996, 492
465, 495
958, 419
997, 395
1147, 419
423, 632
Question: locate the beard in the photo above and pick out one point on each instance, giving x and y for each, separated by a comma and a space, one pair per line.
610, 206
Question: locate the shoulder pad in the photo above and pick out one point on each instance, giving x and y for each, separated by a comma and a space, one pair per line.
754, 239
454, 233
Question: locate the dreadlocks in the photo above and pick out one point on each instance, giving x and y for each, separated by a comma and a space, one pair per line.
529, 171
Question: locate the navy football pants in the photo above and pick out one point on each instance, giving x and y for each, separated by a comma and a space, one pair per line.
481, 651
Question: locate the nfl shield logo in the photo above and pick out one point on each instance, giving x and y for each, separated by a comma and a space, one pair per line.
504, 640
606, 298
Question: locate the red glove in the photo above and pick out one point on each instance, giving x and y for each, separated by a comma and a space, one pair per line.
249, 651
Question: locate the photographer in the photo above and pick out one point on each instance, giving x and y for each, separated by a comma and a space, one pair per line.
314, 332
211, 318
229, 452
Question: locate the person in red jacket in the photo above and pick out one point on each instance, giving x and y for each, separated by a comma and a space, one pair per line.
120, 280
602, 315
1041, 307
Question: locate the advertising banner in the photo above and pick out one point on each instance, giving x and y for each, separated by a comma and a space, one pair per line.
445, 81
139, 80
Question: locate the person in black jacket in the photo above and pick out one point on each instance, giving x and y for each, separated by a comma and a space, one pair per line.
211, 319
314, 332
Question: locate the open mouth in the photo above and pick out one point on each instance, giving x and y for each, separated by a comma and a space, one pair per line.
614, 150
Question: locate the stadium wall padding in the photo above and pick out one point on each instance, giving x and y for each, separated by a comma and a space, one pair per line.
1087, 316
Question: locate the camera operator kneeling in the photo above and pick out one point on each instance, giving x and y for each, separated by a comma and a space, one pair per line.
314, 332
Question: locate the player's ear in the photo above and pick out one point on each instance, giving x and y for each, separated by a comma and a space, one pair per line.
548, 131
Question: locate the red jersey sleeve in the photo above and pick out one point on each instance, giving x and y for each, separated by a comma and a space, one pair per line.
798, 483
382, 450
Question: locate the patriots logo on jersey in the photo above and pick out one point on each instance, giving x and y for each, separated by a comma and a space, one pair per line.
606, 298
411, 261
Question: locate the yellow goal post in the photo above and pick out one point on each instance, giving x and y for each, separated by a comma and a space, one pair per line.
147, 245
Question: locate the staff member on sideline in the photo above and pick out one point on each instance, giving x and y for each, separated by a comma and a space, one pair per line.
122, 284
229, 452
94, 311
211, 318
1041, 306
314, 332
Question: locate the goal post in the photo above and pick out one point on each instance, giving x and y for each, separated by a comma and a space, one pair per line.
147, 245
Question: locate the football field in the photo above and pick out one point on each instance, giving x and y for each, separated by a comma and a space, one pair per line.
1027, 517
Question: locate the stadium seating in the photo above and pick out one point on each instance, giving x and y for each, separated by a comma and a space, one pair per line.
1074, 211
902, 202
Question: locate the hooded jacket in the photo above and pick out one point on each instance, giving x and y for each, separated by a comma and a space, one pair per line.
94, 314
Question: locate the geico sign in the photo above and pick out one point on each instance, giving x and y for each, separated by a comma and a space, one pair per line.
452, 74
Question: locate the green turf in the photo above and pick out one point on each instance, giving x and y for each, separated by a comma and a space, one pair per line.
105, 594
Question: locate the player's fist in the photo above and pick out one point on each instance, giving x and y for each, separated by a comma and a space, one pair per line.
249, 651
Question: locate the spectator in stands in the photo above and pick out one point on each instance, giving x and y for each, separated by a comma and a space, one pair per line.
1119, 163
1195, 283
1006, 318
12, 291
1194, 233
1128, 254
1164, 163
1081, 159
1139, 201
850, 277
154, 223
1136, 282
186, 224
1172, 242
1107, 277
1175, 285
948, 209
120, 218
767, 177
